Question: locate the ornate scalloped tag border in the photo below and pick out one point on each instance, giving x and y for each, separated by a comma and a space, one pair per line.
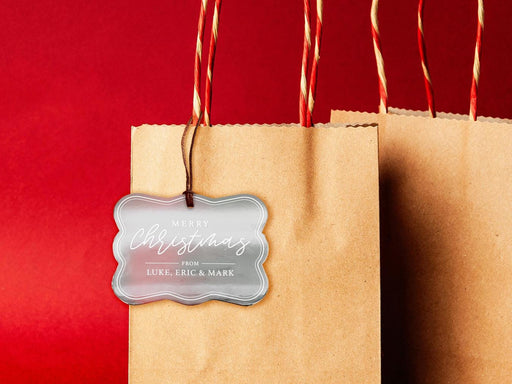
213, 251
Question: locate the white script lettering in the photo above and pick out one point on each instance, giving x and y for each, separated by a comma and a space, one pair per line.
159, 239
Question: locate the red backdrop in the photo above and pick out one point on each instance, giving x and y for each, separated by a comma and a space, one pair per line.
75, 75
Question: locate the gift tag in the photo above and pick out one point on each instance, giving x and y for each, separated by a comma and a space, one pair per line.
213, 251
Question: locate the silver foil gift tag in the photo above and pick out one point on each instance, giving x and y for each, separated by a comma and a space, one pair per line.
213, 251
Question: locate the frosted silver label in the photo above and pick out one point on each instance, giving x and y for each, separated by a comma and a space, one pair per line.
213, 251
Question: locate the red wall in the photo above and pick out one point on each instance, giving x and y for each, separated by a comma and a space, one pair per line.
75, 75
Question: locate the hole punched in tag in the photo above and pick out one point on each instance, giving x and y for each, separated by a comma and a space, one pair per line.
187, 145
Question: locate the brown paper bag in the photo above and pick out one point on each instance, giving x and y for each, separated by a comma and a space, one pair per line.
446, 236
320, 320
446, 246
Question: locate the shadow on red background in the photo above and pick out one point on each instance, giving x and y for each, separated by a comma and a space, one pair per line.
76, 75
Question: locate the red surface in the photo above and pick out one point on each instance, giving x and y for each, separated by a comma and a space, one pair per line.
75, 75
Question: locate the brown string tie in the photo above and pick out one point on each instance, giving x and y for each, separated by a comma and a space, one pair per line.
187, 157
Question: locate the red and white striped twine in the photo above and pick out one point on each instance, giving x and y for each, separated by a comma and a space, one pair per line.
383, 107
316, 59
383, 87
211, 59
305, 54
306, 111
424, 62
476, 62
196, 110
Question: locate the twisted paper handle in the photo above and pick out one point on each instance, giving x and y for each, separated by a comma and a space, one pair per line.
196, 110
383, 86
305, 55
211, 59
306, 111
316, 59
424, 63
476, 62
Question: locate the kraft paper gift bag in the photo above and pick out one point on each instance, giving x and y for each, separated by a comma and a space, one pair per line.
319, 322
446, 230
446, 246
